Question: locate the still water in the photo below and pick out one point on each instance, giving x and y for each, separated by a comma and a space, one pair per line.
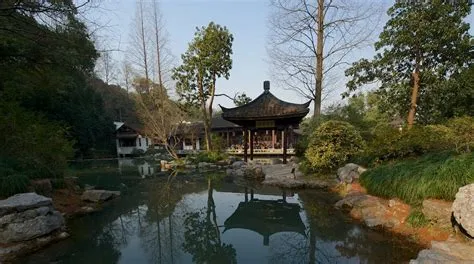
204, 218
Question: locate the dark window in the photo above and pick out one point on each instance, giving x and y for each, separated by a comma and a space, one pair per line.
146, 141
139, 142
127, 142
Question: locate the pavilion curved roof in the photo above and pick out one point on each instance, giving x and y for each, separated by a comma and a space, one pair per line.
266, 106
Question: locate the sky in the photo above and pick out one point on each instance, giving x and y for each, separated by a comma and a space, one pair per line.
247, 20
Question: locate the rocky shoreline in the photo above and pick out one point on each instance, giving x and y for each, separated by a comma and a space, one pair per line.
29, 221
391, 215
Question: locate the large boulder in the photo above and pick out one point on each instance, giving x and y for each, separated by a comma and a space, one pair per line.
446, 252
438, 212
98, 195
30, 224
463, 208
23, 201
349, 172
27, 216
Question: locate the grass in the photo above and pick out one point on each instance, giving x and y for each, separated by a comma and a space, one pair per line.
417, 219
436, 175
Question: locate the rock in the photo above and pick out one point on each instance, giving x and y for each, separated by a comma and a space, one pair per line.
42, 187
349, 172
449, 251
98, 195
463, 208
375, 211
239, 164
202, 165
88, 187
30, 224
438, 211
23, 201
10, 251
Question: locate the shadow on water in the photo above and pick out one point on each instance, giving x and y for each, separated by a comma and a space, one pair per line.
201, 218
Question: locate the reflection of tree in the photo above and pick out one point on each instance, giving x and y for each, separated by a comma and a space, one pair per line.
202, 234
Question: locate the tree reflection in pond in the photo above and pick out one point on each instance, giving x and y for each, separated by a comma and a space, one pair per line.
202, 234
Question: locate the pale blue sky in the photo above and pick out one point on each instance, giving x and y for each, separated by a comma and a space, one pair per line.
246, 20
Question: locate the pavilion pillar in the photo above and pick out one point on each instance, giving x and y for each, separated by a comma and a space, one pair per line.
228, 139
273, 138
246, 195
251, 144
284, 143
245, 143
251, 194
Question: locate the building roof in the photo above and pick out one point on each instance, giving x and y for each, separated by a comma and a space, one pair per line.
219, 122
266, 107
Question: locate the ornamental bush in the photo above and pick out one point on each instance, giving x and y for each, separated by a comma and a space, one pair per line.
332, 144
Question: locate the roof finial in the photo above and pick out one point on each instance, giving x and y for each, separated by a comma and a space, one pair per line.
266, 86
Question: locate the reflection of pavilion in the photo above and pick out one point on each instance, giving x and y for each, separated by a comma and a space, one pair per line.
266, 217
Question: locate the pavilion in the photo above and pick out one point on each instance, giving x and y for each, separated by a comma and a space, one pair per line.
266, 112
266, 217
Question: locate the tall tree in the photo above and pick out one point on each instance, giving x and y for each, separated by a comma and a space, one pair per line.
208, 58
139, 48
311, 40
422, 45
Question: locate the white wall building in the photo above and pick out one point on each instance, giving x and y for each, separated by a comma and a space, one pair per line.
129, 140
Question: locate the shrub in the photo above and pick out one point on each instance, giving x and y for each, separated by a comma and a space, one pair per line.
13, 184
207, 156
332, 144
436, 176
32, 145
389, 143
136, 152
462, 133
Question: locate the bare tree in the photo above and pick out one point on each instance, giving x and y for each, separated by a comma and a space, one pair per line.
311, 41
127, 75
139, 46
105, 67
162, 117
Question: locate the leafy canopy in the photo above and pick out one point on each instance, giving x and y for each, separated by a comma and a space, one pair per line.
208, 57
431, 36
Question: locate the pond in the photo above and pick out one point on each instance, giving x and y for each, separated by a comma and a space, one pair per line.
205, 218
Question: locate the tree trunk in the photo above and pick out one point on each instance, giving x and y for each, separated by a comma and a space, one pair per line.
414, 98
319, 60
142, 38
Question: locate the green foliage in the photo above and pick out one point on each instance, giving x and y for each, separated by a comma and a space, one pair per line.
332, 144
436, 176
389, 143
218, 143
462, 133
207, 58
242, 99
362, 111
53, 82
13, 184
31, 144
439, 49
417, 218
207, 156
